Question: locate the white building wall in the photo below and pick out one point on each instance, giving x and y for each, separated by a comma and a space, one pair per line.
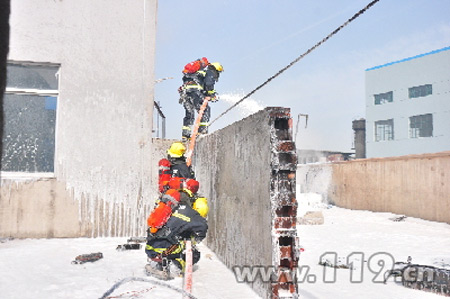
105, 103
431, 68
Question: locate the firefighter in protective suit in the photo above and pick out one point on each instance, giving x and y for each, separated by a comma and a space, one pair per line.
174, 166
165, 248
178, 166
196, 87
188, 189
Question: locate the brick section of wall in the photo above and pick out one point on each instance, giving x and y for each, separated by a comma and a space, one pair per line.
284, 204
247, 172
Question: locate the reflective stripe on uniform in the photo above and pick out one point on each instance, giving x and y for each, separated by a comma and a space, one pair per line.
182, 263
186, 128
162, 250
192, 87
204, 124
182, 217
189, 192
158, 250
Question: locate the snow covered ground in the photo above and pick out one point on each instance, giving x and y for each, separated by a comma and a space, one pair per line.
366, 238
41, 268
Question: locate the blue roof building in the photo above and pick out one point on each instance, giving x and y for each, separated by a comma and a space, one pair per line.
408, 106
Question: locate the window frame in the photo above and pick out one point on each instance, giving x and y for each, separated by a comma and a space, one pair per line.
415, 133
379, 97
34, 92
385, 133
420, 91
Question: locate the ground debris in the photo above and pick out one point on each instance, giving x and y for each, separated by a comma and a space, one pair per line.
398, 219
421, 277
84, 258
338, 265
4, 240
311, 218
124, 247
137, 240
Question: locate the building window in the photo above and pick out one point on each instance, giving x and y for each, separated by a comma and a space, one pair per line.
384, 98
384, 130
421, 126
420, 91
29, 117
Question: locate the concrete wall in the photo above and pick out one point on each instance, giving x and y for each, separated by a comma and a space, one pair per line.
46, 208
104, 109
247, 172
414, 185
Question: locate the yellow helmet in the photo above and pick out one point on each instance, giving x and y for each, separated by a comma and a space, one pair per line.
201, 206
217, 66
176, 150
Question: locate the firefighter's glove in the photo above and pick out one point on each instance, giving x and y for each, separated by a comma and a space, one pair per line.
211, 93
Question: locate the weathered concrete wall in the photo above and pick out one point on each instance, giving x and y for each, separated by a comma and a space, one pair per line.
245, 172
46, 208
40, 209
105, 104
414, 185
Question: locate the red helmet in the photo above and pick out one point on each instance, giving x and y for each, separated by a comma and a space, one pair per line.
172, 195
176, 183
192, 185
164, 164
204, 61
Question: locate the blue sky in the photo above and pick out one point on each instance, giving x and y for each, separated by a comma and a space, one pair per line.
255, 39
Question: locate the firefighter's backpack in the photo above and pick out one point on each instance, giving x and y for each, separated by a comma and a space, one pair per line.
195, 66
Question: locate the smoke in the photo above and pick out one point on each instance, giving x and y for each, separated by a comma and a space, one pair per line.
247, 107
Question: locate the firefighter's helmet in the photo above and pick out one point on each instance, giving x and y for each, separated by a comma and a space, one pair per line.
192, 185
176, 150
201, 206
217, 66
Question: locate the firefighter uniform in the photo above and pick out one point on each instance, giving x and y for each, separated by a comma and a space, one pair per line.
195, 88
168, 243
